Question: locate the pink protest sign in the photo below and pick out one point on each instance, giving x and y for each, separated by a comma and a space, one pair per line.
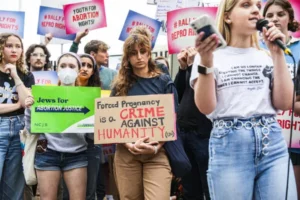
284, 120
179, 32
85, 15
296, 7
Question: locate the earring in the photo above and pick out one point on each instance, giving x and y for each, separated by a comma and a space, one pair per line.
228, 21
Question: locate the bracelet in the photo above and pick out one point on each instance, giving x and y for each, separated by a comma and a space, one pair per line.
155, 150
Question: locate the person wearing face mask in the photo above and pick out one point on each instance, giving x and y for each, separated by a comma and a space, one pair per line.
62, 154
15, 80
89, 77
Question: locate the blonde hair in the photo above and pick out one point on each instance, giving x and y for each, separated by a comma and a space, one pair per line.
126, 77
20, 64
226, 7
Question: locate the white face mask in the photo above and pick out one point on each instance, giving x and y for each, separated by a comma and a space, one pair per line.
67, 76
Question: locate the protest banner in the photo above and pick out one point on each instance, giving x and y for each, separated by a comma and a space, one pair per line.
128, 118
179, 32
284, 120
136, 19
59, 109
85, 15
12, 22
164, 6
45, 77
51, 20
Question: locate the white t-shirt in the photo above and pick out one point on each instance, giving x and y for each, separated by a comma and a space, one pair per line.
243, 83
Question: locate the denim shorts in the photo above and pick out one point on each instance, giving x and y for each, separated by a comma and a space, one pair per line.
51, 160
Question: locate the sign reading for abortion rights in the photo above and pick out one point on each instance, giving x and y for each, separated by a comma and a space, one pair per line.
135, 19
127, 119
51, 20
12, 22
86, 15
180, 33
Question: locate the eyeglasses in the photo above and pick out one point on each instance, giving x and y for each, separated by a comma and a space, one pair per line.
86, 64
38, 54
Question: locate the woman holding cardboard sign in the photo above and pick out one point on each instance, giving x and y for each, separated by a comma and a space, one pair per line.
142, 169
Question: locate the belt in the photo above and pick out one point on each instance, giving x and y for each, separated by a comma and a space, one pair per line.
244, 123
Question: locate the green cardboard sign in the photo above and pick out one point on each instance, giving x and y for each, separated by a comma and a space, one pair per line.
59, 109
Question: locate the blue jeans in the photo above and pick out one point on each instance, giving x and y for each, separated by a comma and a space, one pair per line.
248, 159
12, 180
196, 147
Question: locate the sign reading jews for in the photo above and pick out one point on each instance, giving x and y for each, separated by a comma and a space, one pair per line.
86, 15
59, 109
126, 119
12, 22
51, 20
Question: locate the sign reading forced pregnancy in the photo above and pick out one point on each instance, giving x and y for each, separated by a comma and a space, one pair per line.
59, 109
85, 15
126, 119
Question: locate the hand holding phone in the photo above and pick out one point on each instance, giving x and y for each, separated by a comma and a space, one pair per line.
205, 24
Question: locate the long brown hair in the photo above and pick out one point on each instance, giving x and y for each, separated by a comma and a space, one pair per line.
293, 25
20, 64
126, 77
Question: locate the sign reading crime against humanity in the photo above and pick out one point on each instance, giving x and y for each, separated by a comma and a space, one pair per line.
284, 120
51, 20
126, 119
12, 22
136, 19
85, 15
59, 109
45, 77
179, 32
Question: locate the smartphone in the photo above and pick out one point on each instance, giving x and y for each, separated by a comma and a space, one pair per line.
205, 24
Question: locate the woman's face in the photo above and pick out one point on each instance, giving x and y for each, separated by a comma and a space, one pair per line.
139, 57
12, 50
279, 17
68, 61
244, 16
86, 71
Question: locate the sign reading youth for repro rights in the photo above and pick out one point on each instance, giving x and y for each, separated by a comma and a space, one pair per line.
51, 20
59, 109
86, 15
135, 19
12, 22
126, 119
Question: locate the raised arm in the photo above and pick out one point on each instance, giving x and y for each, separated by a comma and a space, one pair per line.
204, 85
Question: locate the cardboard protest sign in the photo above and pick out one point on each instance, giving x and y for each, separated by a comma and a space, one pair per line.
85, 15
284, 120
12, 22
45, 77
128, 118
135, 19
51, 20
179, 32
59, 109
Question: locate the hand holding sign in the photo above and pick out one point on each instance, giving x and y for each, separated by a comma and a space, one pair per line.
81, 35
142, 146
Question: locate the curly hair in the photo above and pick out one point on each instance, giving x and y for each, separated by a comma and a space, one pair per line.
31, 49
293, 25
126, 77
94, 80
20, 63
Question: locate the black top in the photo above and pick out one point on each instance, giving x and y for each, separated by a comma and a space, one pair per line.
161, 84
8, 91
189, 117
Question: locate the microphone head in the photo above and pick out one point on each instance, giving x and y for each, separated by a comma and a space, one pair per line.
261, 23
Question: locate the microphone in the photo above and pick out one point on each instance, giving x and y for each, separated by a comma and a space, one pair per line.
264, 23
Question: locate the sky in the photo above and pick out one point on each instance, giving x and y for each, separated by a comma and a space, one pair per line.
116, 13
